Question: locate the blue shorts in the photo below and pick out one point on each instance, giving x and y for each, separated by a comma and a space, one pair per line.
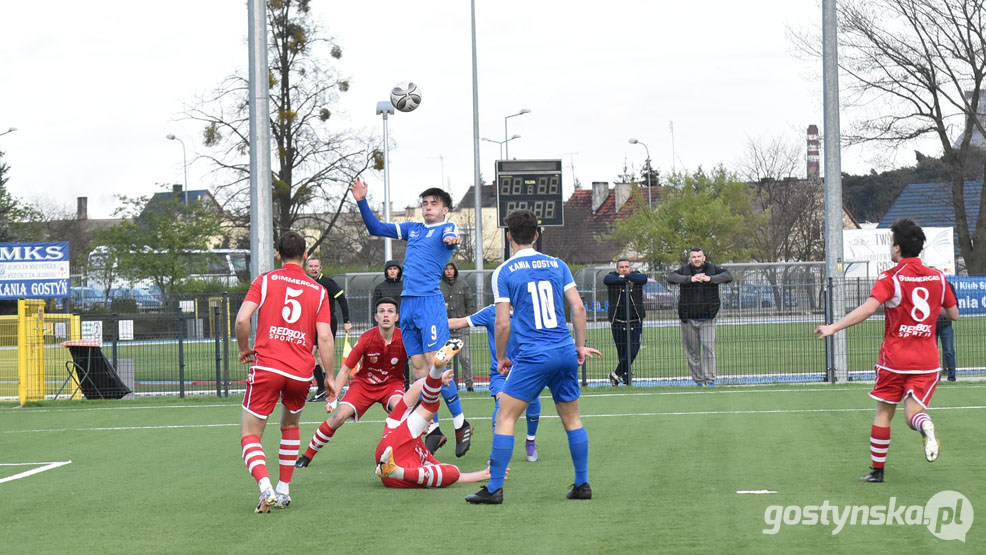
424, 324
496, 382
557, 368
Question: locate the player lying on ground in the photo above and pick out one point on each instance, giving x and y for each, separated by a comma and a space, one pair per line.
293, 315
424, 318
405, 462
907, 370
485, 318
379, 354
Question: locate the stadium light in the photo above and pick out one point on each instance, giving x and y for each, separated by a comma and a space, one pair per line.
386, 108
650, 203
11, 130
184, 161
501, 143
505, 139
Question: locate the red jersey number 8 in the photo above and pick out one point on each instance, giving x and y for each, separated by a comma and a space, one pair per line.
919, 298
292, 308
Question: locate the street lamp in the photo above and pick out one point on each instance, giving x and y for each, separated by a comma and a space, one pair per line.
386, 108
501, 143
650, 203
184, 161
11, 130
505, 139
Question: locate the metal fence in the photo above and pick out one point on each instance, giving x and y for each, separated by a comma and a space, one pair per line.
763, 335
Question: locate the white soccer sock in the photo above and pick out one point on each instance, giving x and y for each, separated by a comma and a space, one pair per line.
264, 484
458, 420
530, 438
436, 372
283, 488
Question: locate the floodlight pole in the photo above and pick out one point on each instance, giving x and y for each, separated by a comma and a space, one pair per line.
385, 108
477, 184
650, 203
506, 141
261, 209
184, 161
839, 360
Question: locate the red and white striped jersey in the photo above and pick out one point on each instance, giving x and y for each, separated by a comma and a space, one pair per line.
290, 305
912, 295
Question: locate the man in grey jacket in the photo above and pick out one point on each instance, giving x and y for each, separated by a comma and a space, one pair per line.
460, 301
698, 306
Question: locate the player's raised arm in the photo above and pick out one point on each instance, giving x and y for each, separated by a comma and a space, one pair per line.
373, 225
862, 312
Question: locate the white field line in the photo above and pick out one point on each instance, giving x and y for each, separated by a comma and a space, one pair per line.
478, 418
25, 474
724, 390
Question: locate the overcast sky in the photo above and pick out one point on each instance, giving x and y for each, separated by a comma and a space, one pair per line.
94, 87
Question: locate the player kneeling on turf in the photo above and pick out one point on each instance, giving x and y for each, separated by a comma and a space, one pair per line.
405, 462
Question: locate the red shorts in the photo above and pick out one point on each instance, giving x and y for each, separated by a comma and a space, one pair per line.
264, 388
409, 452
894, 387
361, 395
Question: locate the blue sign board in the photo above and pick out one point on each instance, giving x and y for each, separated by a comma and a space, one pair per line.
34, 270
970, 291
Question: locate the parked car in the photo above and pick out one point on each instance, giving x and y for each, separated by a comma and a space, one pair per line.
750, 295
85, 298
144, 299
657, 297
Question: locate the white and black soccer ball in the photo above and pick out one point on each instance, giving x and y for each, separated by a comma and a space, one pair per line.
405, 96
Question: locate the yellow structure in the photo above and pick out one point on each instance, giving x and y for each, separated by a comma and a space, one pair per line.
32, 360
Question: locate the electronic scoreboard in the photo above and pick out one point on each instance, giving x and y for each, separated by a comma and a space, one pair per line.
533, 185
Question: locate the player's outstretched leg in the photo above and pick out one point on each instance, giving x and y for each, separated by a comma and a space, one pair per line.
932, 445
435, 438
323, 435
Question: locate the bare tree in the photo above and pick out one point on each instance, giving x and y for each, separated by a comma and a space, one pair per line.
314, 161
916, 68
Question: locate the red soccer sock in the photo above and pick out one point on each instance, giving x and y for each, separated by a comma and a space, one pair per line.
433, 475
322, 436
288, 453
431, 393
879, 445
253, 456
918, 419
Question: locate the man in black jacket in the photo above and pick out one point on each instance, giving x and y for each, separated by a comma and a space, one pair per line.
336, 295
391, 286
626, 317
698, 306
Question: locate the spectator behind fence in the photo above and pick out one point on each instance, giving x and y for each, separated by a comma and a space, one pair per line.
460, 301
698, 306
945, 334
336, 295
625, 317
392, 286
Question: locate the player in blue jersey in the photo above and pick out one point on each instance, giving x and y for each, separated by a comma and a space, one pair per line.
537, 286
485, 318
424, 320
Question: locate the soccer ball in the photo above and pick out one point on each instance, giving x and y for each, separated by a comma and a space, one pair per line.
405, 96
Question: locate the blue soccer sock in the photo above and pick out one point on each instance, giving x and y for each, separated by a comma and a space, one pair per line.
451, 395
533, 416
500, 453
578, 445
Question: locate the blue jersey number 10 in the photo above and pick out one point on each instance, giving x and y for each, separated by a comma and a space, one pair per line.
543, 299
